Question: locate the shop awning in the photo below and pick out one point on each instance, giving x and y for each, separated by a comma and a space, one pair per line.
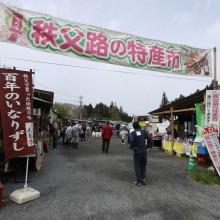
182, 105
41, 100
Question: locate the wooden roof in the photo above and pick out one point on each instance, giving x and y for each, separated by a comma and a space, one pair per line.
44, 95
186, 104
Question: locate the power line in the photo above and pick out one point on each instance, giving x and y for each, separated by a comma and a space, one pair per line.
56, 90
108, 70
61, 98
65, 100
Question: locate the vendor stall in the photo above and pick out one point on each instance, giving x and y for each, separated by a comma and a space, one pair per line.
157, 141
182, 115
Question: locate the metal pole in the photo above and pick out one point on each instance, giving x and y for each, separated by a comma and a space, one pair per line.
215, 73
80, 107
172, 128
26, 176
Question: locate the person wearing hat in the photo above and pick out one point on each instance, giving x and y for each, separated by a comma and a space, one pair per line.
138, 139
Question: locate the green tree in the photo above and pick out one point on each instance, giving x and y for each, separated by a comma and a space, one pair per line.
89, 111
164, 100
125, 117
105, 112
61, 109
114, 113
101, 110
111, 105
180, 97
121, 112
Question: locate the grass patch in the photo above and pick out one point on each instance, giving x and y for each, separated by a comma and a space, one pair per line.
204, 176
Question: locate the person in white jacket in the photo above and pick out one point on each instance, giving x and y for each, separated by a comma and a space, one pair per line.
68, 135
88, 133
123, 134
75, 136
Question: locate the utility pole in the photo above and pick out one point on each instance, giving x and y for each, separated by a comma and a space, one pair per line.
80, 107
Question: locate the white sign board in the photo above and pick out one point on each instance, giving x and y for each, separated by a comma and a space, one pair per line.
212, 144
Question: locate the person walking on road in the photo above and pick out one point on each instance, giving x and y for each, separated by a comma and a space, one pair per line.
63, 132
75, 135
106, 136
117, 128
123, 134
55, 135
138, 145
88, 133
68, 135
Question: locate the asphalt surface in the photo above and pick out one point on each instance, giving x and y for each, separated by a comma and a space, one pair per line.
86, 184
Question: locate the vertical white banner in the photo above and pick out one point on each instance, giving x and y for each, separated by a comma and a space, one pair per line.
212, 109
212, 143
30, 133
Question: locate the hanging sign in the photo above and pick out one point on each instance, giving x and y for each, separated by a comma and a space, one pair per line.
212, 143
54, 35
16, 95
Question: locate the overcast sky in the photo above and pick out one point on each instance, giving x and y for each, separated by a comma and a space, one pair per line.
194, 23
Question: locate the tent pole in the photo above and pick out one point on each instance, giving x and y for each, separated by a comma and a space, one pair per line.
172, 128
215, 79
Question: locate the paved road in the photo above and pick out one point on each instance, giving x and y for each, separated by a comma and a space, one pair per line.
86, 184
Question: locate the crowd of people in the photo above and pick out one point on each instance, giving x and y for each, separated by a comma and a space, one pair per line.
73, 133
138, 139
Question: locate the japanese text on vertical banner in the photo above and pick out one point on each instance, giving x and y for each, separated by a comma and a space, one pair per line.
212, 143
16, 95
212, 108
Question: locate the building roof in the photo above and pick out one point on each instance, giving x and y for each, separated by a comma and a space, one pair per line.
44, 95
184, 104
43, 99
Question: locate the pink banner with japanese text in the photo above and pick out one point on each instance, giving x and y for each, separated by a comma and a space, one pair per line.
212, 143
54, 35
16, 95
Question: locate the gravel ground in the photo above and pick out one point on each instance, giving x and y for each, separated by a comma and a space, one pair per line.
86, 184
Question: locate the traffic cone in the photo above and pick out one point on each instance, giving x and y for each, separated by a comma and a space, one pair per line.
191, 165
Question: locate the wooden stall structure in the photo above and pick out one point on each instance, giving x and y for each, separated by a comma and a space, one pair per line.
182, 115
42, 103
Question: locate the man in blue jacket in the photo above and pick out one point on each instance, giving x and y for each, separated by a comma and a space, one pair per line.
138, 145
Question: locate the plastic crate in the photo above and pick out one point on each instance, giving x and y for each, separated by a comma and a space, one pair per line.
202, 150
201, 158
